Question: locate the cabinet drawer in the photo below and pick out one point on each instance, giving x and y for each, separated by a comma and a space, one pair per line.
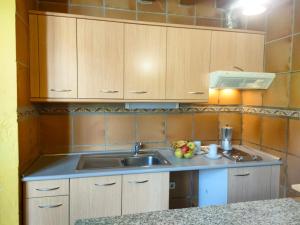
47, 211
35, 189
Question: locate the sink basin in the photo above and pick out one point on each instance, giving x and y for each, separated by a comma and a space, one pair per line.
110, 161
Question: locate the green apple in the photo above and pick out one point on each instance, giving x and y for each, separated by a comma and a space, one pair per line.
188, 155
191, 145
178, 153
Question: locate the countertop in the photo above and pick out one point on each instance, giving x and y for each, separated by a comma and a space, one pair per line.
64, 166
269, 212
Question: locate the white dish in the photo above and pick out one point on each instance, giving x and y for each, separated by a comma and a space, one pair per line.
218, 156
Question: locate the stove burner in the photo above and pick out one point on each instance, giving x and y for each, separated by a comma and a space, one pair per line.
239, 156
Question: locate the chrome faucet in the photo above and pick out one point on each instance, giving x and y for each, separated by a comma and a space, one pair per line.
137, 147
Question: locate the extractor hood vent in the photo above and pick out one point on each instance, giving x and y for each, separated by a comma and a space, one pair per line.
240, 80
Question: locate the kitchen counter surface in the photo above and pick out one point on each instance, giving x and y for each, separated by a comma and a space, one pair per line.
269, 212
64, 166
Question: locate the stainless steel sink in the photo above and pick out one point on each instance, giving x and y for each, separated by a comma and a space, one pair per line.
109, 161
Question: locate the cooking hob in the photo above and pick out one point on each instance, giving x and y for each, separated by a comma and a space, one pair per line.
239, 156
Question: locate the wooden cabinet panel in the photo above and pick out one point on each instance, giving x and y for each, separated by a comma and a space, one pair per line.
47, 211
145, 192
95, 197
57, 57
34, 189
145, 62
234, 51
188, 58
34, 57
100, 59
249, 184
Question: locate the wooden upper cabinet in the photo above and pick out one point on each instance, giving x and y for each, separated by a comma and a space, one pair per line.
237, 51
100, 59
145, 62
57, 57
188, 58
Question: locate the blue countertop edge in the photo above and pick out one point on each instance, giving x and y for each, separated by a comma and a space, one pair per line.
64, 166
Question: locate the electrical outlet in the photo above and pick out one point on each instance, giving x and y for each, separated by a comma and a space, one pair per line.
172, 185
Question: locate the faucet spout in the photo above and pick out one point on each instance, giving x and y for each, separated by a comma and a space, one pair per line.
137, 147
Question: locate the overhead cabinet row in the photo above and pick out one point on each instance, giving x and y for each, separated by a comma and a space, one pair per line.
86, 59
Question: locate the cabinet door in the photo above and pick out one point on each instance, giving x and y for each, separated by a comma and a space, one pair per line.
237, 51
47, 211
57, 57
188, 54
145, 62
249, 184
145, 192
95, 197
100, 59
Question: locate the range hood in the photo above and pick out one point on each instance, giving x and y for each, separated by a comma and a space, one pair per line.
240, 80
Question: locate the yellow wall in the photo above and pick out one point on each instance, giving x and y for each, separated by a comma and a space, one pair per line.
9, 191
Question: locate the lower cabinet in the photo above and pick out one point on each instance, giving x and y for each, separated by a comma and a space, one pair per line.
250, 184
47, 211
145, 193
95, 197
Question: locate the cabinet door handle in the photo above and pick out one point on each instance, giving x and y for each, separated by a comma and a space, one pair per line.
61, 90
108, 184
196, 92
139, 182
47, 189
109, 91
138, 92
49, 206
242, 175
238, 68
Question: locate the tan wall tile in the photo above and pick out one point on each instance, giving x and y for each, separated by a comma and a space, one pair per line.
294, 137
53, 7
234, 120
277, 55
209, 22
296, 53
89, 130
152, 17
23, 82
206, 8
206, 126
277, 94
230, 97
251, 128
87, 10
156, 6
181, 20
120, 129
297, 17
29, 146
179, 127
87, 2
252, 98
295, 90
124, 4
256, 23
213, 97
251, 145
150, 128
56, 133
279, 21
274, 133
120, 14
174, 7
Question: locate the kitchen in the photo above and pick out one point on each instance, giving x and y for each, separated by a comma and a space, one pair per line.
114, 108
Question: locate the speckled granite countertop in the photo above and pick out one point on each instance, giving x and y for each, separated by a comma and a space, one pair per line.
64, 166
269, 212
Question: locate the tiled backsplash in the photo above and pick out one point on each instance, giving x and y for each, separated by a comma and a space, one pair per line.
189, 12
62, 133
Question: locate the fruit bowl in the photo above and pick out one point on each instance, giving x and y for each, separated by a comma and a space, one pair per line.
184, 149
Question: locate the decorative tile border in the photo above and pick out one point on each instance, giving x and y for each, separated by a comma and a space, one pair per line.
184, 108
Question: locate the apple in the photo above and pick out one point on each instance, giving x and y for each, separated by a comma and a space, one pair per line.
178, 153
185, 149
191, 145
188, 155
